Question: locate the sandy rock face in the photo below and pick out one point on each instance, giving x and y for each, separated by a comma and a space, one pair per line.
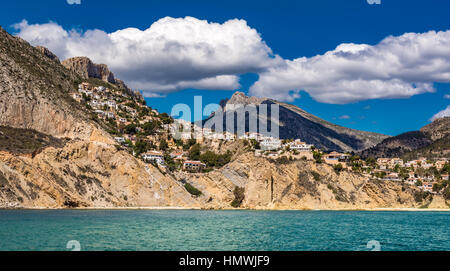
302, 185
86, 173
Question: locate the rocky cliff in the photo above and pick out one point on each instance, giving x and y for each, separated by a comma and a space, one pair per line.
34, 91
85, 68
303, 185
86, 173
52, 154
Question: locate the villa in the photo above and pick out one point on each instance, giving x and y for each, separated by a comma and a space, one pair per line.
193, 166
156, 156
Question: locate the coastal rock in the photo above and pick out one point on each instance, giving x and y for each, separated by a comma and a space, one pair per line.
86, 173
303, 185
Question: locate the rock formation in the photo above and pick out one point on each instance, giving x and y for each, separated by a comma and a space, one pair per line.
85, 68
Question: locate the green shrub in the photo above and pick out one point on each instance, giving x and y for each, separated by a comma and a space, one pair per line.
316, 176
338, 168
446, 193
192, 190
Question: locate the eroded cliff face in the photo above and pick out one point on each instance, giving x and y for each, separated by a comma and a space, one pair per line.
85, 68
34, 91
66, 159
303, 185
86, 173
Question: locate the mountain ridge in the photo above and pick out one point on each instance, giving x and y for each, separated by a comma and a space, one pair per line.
405, 145
297, 123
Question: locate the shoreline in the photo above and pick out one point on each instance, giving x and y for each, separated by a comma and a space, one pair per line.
178, 208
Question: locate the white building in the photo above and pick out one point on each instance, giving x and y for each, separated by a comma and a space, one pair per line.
120, 139
270, 144
299, 146
156, 156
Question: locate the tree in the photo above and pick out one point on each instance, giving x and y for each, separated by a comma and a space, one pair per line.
437, 187
446, 193
151, 127
194, 152
140, 147
170, 163
317, 156
163, 146
166, 119
131, 129
191, 142
255, 144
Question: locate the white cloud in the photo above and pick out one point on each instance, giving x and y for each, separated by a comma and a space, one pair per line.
344, 117
179, 53
171, 55
76, 2
397, 67
447, 96
441, 114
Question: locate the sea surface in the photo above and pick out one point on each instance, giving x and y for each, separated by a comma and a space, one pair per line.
168, 230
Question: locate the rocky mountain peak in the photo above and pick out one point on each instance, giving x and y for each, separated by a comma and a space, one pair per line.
240, 98
85, 68
438, 129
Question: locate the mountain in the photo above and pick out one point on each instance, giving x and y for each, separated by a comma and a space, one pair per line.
53, 154
297, 123
438, 129
34, 91
398, 145
431, 141
87, 69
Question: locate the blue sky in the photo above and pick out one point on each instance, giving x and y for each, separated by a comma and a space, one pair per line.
291, 29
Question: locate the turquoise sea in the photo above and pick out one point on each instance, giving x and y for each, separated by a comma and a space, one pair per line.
223, 230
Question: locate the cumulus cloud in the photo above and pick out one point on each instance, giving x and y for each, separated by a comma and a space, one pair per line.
344, 117
171, 55
72, 2
447, 96
442, 114
397, 67
179, 53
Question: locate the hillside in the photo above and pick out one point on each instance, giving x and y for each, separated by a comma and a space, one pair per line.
268, 184
438, 129
52, 152
432, 141
398, 145
34, 91
297, 123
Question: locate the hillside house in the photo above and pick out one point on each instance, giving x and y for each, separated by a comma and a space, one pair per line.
195, 166
155, 156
